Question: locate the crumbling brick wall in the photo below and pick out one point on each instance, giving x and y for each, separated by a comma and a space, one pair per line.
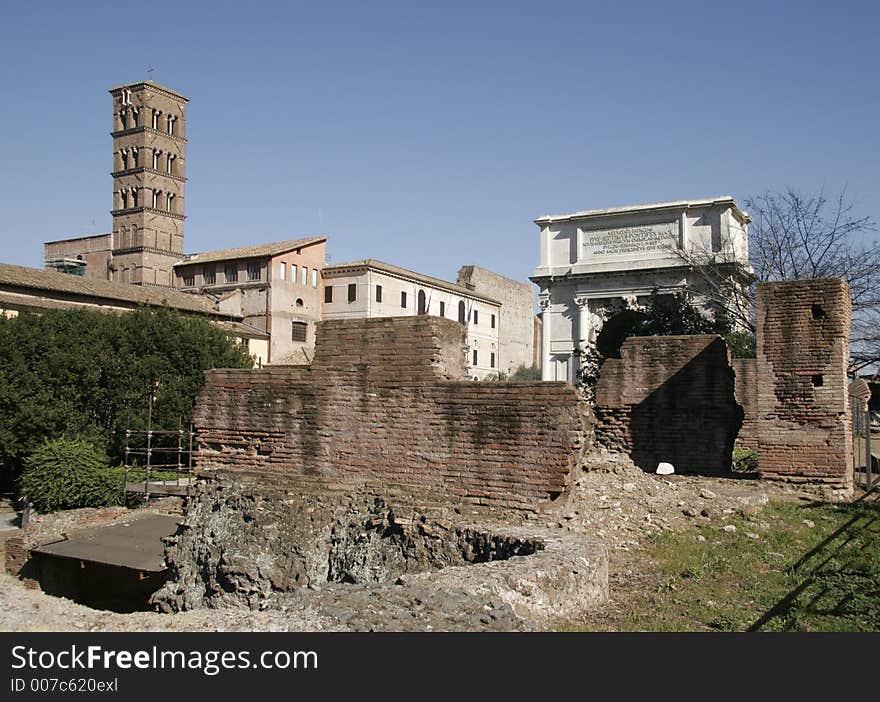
746, 392
670, 398
377, 411
803, 349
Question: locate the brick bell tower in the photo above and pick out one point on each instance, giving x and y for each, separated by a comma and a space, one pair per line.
149, 165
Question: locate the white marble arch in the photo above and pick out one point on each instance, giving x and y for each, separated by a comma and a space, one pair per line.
597, 262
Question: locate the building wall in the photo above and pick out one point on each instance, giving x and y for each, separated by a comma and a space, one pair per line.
292, 300
803, 349
516, 318
379, 410
94, 250
672, 399
481, 335
746, 370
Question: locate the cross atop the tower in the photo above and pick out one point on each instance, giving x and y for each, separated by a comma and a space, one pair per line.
150, 71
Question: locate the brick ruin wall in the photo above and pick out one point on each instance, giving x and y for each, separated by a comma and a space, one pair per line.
670, 398
803, 412
383, 410
746, 393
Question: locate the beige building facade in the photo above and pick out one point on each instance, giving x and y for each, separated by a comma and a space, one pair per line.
370, 288
273, 287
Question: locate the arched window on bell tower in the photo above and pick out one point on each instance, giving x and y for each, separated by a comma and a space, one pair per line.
422, 304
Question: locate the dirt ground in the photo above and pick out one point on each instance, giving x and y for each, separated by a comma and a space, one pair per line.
612, 501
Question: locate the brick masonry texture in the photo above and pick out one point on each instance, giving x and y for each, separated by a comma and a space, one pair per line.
670, 398
382, 410
746, 370
803, 414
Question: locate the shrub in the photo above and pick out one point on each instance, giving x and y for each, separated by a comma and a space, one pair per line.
744, 460
526, 373
69, 474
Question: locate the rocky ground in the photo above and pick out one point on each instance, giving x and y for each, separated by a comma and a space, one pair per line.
612, 502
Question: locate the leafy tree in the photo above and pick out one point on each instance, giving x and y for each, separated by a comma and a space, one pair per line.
89, 374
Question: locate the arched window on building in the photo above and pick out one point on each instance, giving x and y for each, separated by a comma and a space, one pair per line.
169, 163
134, 197
155, 122
422, 304
462, 313
123, 118
169, 203
156, 195
156, 155
135, 153
135, 113
123, 195
124, 155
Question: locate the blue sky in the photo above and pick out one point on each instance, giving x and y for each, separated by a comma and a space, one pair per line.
431, 135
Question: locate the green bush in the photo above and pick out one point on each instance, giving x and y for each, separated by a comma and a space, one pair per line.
526, 373
69, 474
744, 460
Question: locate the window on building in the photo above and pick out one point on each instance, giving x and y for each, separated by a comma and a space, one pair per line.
282, 270
475, 358
156, 194
156, 155
254, 271
299, 302
299, 330
442, 309
171, 121
462, 313
304, 279
123, 119
189, 281
422, 302
126, 97
403, 300
134, 197
123, 194
169, 163
135, 154
210, 276
293, 272
155, 123
231, 274
169, 203
491, 360
352, 292
314, 277
124, 155
328, 293
476, 317
378, 293
492, 322
135, 113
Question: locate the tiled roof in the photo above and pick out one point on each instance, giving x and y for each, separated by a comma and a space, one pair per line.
66, 284
407, 274
257, 251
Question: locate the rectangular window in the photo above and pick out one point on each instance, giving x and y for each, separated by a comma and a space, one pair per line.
231, 273
475, 357
476, 318
442, 309
491, 360
378, 293
299, 331
352, 292
293, 272
403, 300
210, 276
328, 293
254, 271
282, 269
493, 321
189, 281
305, 276
314, 277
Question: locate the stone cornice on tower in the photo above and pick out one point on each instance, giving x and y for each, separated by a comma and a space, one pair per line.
152, 86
